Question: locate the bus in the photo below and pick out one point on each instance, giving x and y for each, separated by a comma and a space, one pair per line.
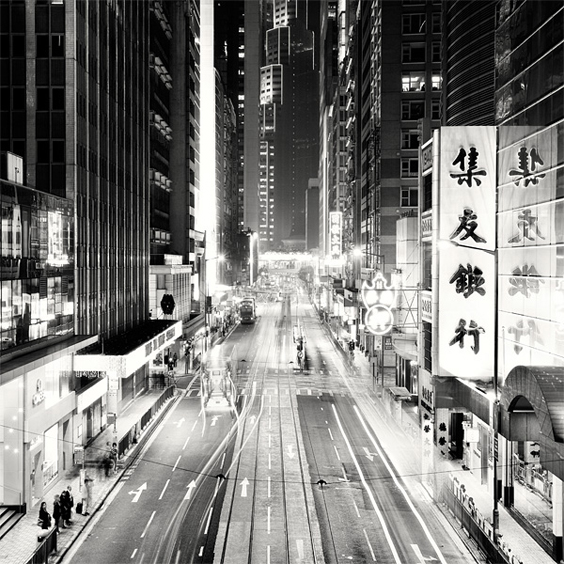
247, 310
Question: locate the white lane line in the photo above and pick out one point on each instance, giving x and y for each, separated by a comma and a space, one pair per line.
177, 559
185, 443
402, 490
176, 463
368, 491
222, 461
268, 520
134, 553
164, 489
269, 410
268, 554
209, 521
195, 423
336, 452
331, 434
149, 522
268, 487
269, 423
201, 551
369, 545
356, 509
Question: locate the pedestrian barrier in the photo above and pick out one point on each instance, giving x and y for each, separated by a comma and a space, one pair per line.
131, 437
44, 549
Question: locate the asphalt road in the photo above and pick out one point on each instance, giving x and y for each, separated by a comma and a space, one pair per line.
301, 473
162, 510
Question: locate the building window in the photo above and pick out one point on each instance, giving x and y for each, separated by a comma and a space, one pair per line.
409, 167
413, 53
410, 139
436, 109
409, 197
427, 192
436, 52
437, 23
427, 266
413, 23
413, 81
437, 81
412, 109
427, 345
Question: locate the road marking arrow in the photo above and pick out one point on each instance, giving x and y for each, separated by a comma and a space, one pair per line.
369, 455
178, 423
137, 493
244, 485
214, 420
190, 487
291, 452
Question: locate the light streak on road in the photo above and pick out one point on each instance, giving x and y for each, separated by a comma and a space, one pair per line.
368, 490
134, 553
331, 434
402, 489
186, 442
222, 461
336, 452
164, 489
148, 524
268, 519
209, 521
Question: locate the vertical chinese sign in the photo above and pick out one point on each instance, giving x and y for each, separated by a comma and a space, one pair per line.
467, 233
531, 231
335, 235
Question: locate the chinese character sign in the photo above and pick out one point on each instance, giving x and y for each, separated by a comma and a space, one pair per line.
379, 298
467, 186
335, 234
467, 220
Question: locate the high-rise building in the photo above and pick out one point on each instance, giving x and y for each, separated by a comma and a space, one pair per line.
289, 123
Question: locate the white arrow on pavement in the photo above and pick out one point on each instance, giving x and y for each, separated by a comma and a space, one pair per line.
214, 420
244, 485
137, 493
369, 455
190, 487
291, 452
178, 423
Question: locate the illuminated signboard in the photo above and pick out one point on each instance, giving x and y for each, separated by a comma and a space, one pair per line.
466, 252
379, 298
335, 234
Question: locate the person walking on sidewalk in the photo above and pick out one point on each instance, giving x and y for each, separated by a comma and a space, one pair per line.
87, 501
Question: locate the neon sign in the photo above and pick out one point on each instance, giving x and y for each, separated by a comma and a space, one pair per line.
379, 297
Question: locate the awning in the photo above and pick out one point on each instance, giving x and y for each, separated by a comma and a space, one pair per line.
400, 393
405, 346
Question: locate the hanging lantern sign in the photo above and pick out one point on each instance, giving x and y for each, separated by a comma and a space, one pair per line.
379, 297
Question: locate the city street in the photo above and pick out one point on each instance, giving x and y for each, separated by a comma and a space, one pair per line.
298, 475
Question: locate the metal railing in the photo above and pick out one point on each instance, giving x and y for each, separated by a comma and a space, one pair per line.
47, 546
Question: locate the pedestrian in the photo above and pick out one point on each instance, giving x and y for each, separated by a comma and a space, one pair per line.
57, 513
174, 359
44, 516
108, 465
87, 501
67, 503
114, 455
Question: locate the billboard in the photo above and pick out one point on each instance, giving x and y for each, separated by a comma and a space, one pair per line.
466, 252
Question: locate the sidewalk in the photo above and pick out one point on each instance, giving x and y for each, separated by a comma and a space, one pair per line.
19, 545
514, 540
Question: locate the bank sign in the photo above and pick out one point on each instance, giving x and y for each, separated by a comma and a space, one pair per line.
466, 253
